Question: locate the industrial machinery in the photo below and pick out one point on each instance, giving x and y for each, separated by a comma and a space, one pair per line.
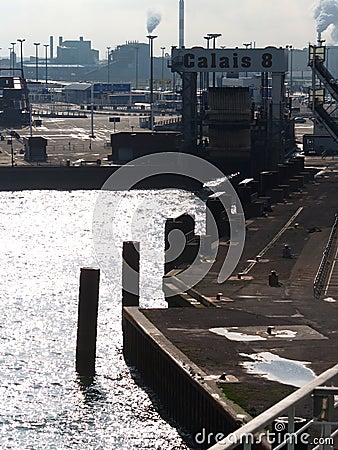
14, 102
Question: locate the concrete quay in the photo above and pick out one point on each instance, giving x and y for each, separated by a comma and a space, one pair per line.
305, 328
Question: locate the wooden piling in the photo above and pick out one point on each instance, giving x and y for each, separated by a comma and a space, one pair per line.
131, 273
87, 321
186, 224
217, 213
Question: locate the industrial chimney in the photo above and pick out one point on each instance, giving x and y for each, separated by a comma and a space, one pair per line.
51, 47
319, 39
181, 24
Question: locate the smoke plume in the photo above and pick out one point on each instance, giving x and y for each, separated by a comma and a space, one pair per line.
326, 14
154, 18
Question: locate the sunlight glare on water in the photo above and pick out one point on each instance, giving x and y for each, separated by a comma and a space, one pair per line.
45, 239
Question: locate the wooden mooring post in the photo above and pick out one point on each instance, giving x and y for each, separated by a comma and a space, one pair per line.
131, 273
87, 321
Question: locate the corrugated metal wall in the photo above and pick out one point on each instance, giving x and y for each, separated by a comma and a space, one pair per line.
228, 118
229, 104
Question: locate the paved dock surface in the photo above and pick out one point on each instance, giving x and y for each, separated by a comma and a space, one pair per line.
305, 328
69, 138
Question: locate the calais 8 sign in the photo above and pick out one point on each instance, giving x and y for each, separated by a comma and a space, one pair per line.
269, 59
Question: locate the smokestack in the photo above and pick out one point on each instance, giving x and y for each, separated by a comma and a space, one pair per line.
181, 24
319, 38
51, 47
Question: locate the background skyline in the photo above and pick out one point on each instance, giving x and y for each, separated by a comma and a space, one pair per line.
111, 23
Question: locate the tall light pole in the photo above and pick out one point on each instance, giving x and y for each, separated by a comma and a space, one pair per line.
291, 69
162, 71
247, 46
214, 36
21, 54
208, 39
46, 61
13, 59
92, 135
36, 61
151, 39
108, 66
289, 48
10, 58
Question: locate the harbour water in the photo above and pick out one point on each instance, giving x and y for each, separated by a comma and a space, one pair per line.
45, 237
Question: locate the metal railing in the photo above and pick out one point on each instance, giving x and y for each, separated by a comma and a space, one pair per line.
246, 436
70, 147
321, 275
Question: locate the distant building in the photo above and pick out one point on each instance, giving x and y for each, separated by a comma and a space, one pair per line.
130, 62
130, 52
76, 52
77, 92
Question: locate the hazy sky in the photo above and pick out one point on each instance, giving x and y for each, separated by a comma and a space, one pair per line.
113, 22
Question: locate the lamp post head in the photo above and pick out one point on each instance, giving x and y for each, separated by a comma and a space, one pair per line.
214, 35
151, 37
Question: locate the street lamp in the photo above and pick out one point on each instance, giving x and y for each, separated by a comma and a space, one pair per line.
46, 61
291, 69
10, 58
108, 59
208, 39
36, 61
214, 36
162, 72
247, 46
151, 39
13, 59
290, 48
21, 54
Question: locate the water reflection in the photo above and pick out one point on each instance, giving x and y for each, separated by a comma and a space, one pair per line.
45, 237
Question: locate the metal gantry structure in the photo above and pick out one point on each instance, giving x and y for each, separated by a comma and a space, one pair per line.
188, 62
323, 85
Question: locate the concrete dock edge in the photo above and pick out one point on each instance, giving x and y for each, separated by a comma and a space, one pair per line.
187, 397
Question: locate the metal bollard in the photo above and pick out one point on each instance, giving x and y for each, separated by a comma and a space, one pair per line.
273, 279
